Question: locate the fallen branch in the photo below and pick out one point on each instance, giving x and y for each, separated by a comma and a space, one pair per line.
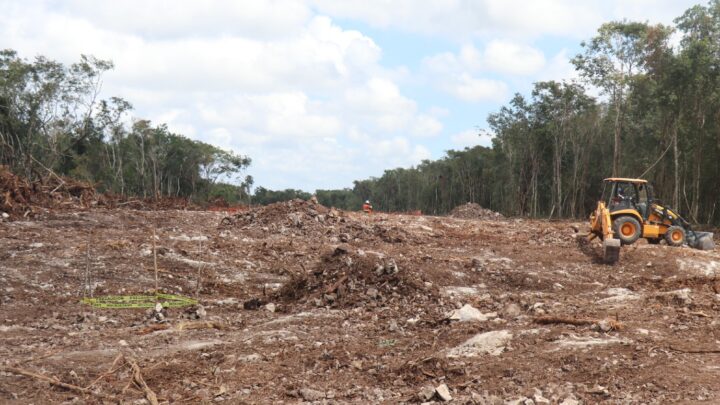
613, 324
159, 269
182, 326
138, 379
153, 328
110, 371
34, 359
694, 351
336, 285
54, 381
700, 313
549, 320
199, 325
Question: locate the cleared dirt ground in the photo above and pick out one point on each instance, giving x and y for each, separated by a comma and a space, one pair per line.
361, 306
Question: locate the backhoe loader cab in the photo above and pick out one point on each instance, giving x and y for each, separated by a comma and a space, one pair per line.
628, 211
627, 194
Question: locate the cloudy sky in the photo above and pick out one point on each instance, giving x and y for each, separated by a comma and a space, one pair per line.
321, 92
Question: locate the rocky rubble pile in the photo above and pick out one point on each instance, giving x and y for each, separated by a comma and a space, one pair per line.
474, 211
308, 218
346, 278
295, 213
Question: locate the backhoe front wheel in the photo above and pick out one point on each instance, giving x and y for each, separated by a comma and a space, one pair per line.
675, 236
627, 229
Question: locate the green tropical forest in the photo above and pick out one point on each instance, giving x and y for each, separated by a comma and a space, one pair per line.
51, 118
646, 104
655, 114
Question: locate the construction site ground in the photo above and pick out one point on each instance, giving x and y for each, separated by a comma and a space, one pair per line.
298, 302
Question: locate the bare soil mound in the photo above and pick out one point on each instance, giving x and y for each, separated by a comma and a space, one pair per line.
474, 211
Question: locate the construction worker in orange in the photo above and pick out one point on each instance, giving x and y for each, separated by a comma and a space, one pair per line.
367, 207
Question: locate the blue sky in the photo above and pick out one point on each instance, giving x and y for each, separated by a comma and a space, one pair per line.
321, 92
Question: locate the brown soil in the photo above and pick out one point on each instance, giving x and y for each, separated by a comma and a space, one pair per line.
361, 310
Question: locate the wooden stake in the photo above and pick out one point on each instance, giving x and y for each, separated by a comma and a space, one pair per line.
155, 260
199, 272
87, 289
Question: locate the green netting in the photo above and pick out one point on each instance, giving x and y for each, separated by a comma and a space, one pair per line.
139, 301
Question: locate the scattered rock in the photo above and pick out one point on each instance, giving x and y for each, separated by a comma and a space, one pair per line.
450, 291
253, 304
443, 392
604, 326
512, 310
599, 390
250, 358
619, 296
570, 401
310, 394
520, 401
492, 343
426, 393
470, 313
391, 268
539, 398
681, 296
158, 313
270, 307
586, 341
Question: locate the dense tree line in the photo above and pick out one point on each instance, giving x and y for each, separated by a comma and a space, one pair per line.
657, 116
52, 120
264, 196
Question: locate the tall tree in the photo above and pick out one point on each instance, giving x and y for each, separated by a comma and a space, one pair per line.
611, 61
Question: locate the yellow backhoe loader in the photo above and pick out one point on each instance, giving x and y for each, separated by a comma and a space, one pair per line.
628, 211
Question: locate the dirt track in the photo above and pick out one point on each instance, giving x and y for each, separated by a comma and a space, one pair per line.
361, 311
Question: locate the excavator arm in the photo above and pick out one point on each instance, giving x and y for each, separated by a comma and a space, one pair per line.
601, 226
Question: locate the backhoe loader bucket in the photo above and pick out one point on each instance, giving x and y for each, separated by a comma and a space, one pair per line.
611, 250
701, 240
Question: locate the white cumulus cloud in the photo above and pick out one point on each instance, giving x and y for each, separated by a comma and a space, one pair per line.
468, 88
466, 20
309, 101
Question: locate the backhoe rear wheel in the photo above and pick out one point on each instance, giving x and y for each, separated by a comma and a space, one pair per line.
627, 229
675, 236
